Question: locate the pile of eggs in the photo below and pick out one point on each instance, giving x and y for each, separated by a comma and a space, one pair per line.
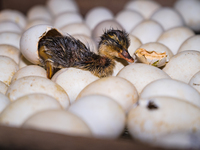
156, 105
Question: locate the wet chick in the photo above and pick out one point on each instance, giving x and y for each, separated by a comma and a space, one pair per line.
58, 51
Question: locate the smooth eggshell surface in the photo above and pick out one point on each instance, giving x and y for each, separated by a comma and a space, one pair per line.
3, 87
119, 89
18, 111
195, 81
135, 43
9, 26
59, 121
10, 38
73, 80
183, 65
171, 88
141, 74
103, 115
35, 84
4, 102
157, 116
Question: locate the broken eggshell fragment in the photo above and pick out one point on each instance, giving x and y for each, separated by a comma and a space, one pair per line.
151, 57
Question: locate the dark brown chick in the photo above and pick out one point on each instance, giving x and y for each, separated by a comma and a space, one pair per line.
58, 51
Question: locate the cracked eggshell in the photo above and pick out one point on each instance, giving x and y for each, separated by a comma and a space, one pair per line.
29, 42
10, 38
154, 117
183, 65
73, 80
192, 43
4, 101
30, 70
3, 87
119, 89
8, 68
171, 88
103, 115
18, 111
174, 37
10, 51
147, 31
195, 81
35, 84
58, 121
140, 74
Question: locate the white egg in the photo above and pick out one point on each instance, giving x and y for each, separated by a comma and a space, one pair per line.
30, 70
4, 101
154, 117
171, 88
24, 62
18, 111
128, 19
97, 15
141, 74
9, 26
146, 8
29, 42
39, 12
189, 11
60, 6
8, 68
195, 81
77, 28
13, 15
192, 43
147, 31
67, 18
36, 84
103, 115
73, 80
37, 22
3, 87
10, 38
10, 51
119, 89
58, 121
183, 65
173, 38
117, 68
168, 18
101, 27
135, 43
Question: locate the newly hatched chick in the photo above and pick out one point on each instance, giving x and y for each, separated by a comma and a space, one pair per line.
58, 51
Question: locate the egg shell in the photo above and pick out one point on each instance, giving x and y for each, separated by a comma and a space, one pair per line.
195, 81
18, 111
103, 26
8, 68
10, 51
168, 18
157, 116
77, 28
9, 26
24, 62
119, 89
58, 121
60, 6
192, 43
183, 65
35, 84
4, 102
3, 87
39, 12
128, 19
37, 22
147, 31
13, 15
103, 115
29, 42
171, 88
173, 38
30, 70
67, 18
10, 38
189, 11
140, 74
135, 43
73, 80
117, 68
96, 15
146, 8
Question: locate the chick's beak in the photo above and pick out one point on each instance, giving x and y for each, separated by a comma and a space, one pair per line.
125, 55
